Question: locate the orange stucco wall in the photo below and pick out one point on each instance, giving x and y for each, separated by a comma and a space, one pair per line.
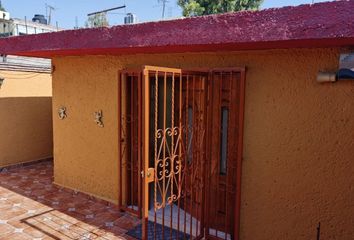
298, 136
25, 117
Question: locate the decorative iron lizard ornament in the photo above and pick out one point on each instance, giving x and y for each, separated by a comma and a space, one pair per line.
62, 113
98, 118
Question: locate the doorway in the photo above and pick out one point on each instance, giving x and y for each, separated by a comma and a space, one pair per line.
184, 135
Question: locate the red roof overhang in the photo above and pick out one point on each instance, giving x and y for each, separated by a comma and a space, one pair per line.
329, 24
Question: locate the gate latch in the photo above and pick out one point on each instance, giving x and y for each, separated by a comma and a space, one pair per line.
150, 174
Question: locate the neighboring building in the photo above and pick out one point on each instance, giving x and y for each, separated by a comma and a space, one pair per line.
25, 99
25, 113
231, 137
17, 27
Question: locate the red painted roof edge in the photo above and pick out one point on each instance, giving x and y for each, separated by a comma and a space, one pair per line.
328, 24
313, 43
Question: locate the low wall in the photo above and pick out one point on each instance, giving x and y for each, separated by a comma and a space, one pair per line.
25, 129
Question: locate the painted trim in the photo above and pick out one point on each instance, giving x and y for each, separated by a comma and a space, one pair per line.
244, 30
240, 154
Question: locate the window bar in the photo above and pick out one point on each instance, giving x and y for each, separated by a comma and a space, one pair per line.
155, 153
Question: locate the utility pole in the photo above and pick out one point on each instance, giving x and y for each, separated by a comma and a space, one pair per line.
164, 2
49, 9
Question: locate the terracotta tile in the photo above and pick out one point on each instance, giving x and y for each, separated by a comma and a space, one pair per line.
36, 208
11, 213
34, 233
5, 229
16, 236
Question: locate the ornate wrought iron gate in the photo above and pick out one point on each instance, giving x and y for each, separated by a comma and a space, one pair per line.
184, 134
173, 153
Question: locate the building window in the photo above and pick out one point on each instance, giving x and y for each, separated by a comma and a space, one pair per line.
224, 140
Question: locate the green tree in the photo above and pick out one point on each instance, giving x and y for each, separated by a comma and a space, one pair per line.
97, 20
206, 7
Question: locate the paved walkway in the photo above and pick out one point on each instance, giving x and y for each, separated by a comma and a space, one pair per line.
31, 207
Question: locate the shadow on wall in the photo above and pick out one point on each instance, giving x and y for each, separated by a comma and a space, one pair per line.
26, 132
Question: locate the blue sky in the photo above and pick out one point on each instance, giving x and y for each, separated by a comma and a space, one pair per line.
146, 10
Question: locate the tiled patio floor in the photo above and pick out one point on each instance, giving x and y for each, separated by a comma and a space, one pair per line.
31, 207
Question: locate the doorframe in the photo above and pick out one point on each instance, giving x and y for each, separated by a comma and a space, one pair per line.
122, 76
145, 136
239, 158
240, 153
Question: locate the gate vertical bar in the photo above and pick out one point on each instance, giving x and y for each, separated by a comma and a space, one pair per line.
186, 159
156, 97
164, 191
139, 141
146, 111
179, 144
132, 136
172, 156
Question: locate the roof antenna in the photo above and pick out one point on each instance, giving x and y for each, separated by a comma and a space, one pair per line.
49, 15
164, 2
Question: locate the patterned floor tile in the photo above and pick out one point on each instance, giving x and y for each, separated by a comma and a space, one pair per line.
31, 207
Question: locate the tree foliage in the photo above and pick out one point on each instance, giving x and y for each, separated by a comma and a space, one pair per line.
97, 20
206, 7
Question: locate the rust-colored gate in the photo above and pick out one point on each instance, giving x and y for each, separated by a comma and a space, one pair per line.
181, 132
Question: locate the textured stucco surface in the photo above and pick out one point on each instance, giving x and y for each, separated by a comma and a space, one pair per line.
298, 138
25, 129
25, 84
26, 132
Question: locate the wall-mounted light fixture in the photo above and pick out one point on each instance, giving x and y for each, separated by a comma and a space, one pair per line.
345, 72
342, 74
1, 81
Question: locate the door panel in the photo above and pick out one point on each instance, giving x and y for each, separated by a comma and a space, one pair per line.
130, 112
175, 144
221, 195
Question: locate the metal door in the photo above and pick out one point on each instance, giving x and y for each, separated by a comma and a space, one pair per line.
173, 151
130, 140
183, 132
224, 154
